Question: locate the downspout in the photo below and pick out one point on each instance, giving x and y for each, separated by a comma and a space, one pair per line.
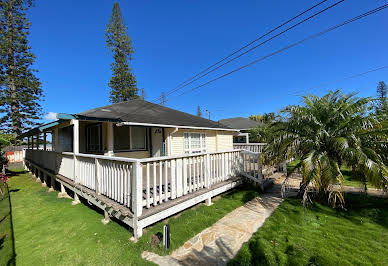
150, 140
169, 140
163, 143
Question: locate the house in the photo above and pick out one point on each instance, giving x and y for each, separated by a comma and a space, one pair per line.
243, 125
136, 129
137, 161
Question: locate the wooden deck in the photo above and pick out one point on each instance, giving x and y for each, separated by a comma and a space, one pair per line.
140, 192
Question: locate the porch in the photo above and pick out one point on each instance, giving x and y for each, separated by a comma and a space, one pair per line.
140, 192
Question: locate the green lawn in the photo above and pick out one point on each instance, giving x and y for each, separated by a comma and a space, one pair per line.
50, 231
348, 180
6, 247
321, 235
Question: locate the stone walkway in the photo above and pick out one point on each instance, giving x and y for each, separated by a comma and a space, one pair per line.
219, 243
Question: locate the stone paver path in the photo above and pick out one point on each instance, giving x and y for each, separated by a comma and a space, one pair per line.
219, 243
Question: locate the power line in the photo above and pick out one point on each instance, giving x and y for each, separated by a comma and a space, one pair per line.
342, 79
256, 46
290, 46
195, 78
242, 48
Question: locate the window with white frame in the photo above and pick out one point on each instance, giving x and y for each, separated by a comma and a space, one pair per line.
194, 142
130, 138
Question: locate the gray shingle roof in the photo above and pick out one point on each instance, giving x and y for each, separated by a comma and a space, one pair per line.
140, 111
239, 123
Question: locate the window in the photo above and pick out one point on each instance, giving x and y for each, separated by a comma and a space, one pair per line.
194, 142
94, 138
129, 138
121, 138
138, 138
65, 139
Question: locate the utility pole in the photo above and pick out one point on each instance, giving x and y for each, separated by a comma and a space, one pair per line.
163, 99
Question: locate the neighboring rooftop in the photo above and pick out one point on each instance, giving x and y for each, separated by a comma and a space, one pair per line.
239, 123
140, 111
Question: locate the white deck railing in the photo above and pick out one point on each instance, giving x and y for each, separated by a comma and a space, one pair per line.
172, 177
252, 147
138, 183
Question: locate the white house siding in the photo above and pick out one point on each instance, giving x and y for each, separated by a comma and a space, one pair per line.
224, 141
215, 140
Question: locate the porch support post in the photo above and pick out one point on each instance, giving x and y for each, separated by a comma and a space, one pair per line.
76, 199
56, 140
37, 141
52, 183
44, 140
137, 199
44, 184
208, 201
37, 180
32, 142
75, 123
28, 142
63, 193
106, 218
75, 135
110, 139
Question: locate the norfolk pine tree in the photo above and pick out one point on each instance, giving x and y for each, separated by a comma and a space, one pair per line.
122, 83
199, 112
20, 89
382, 91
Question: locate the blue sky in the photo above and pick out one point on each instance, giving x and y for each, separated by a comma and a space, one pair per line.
173, 40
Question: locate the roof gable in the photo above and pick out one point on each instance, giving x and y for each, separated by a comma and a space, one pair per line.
239, 123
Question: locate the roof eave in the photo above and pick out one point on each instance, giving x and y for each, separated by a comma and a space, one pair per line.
40, 128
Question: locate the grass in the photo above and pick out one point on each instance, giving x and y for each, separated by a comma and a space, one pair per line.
346, 172
50, 231
6, 246
349, 181
321, 235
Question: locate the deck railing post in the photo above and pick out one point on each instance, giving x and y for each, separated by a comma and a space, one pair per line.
241, 163
207, 171
184, 176
75, 166
98, 176
137, 197
179, 183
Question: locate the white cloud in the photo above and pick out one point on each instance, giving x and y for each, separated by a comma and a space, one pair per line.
51, 116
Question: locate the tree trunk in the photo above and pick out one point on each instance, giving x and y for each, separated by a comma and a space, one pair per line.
16, 125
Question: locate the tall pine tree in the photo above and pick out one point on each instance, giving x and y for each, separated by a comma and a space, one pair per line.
122, 83
199, 112
382, 106
20, 89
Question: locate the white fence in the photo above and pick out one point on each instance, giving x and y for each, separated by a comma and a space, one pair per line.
252, 147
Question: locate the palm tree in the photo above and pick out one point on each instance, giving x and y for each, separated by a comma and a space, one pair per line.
326, 133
